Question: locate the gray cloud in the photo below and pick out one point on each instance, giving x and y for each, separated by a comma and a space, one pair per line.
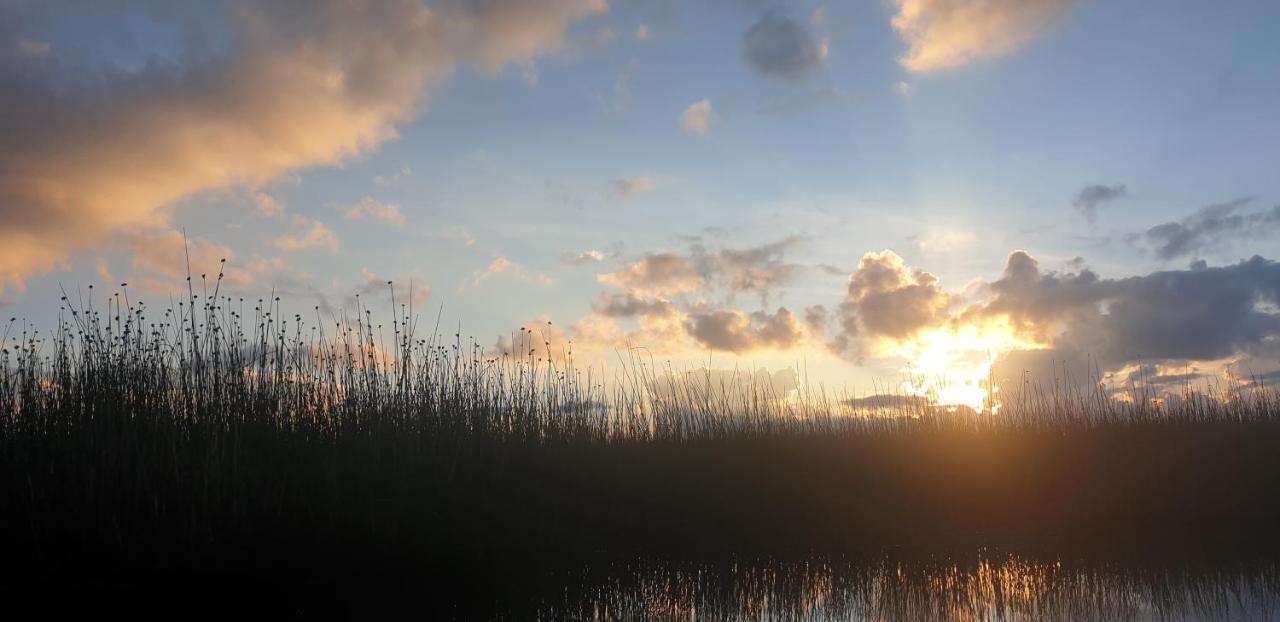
756, 270
1210, 226
630, 305
734, 331
1205, 313
779, 47
1090, 198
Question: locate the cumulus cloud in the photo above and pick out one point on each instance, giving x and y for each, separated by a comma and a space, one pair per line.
656, 273
735, 331
1090, 198
86, 152
306, 233
886, 299
943, 34
682, 302
696, 119
779, 47
633, 187
376, 210
1210, 226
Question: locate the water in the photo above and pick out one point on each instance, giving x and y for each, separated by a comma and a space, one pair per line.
988, 587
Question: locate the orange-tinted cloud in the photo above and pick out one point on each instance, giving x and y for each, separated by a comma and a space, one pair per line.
299, 85
943, 34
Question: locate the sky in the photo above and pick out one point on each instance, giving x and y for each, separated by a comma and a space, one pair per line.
839, 194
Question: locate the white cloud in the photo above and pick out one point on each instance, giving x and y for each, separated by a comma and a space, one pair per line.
502, 265
266, 205
696, 119
306, 234
393, 179
377, 210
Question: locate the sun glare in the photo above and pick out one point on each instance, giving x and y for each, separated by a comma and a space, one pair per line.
951, 366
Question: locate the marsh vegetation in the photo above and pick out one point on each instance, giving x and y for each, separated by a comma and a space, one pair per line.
219, 438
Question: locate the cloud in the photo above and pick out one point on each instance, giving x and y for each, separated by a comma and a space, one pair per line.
87, 152
735, 331
757, 270
502, 265
266, 205
633, 187
589, 256
377, 210
679, 303
1090, 198
1036, 302
631, 305
943, 34
662, 273
1200, 314
167, 253
779, 47
306, 234
394, 179
1210, 226
642, 33
885, 299
696, 119
408, 290
160, 260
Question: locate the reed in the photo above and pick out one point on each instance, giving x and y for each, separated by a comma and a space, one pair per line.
224, 435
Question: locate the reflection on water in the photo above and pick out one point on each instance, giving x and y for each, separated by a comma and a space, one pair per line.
1005, 588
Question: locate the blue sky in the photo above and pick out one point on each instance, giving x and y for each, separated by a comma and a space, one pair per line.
490, 144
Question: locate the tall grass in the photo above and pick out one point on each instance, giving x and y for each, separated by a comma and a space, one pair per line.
220, 434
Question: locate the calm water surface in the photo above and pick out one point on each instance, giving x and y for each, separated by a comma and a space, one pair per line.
985, 588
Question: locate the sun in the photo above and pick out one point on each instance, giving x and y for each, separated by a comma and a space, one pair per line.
951, 365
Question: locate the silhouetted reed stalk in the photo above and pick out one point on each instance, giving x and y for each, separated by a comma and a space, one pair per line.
221, 433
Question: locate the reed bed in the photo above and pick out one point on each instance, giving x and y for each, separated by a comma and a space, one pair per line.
220, 435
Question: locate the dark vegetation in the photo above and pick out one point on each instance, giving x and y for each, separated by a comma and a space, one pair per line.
219, 438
